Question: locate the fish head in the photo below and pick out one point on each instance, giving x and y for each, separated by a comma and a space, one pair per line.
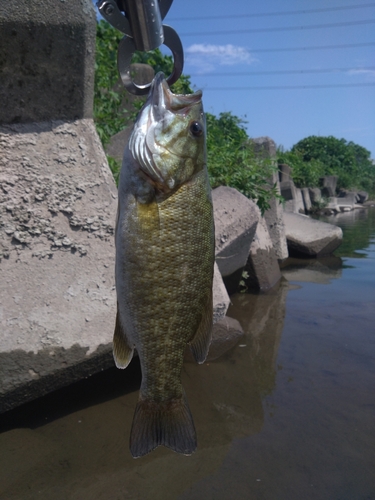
169, 136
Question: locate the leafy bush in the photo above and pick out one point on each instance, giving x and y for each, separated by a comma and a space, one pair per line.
231, 160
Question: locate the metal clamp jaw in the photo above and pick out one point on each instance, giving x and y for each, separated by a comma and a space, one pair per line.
143, 29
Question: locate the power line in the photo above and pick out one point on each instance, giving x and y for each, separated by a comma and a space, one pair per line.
271, 14
278, 28
286, 72
317, 47
294, 87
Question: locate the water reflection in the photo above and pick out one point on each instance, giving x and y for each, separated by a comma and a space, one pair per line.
321, 270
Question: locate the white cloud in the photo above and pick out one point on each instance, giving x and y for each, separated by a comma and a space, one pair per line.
359, 71
206, 57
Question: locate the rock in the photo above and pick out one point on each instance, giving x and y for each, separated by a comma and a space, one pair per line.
236, 218
264, 147
226, 333
274, 217
262, 265
310, 237
117, 143
306, 199
288, 190
329, 183
55, 274
362, 196
221, 299
58, 203
299, 207
285, 172
292, 196
315, 195
47, 59
346, 200
332, 206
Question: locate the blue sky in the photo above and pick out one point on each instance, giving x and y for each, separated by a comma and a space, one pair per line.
235, 52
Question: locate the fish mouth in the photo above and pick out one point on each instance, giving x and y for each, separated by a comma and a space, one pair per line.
163, 99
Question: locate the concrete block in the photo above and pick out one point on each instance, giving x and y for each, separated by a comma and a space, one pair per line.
47, 52
347, 200
274, 217
262, 265
315, 195
236, 218
299, 206
221, 298
226, 333
362, 196
292, 196
285, 172
58, 204
310, 237
288, 190
306, 199
264, 147
329, 184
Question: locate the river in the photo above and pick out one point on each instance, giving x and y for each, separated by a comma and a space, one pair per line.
287, 414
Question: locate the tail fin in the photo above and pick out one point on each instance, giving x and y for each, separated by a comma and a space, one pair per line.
169, 424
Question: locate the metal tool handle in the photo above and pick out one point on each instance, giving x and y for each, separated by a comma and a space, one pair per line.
145, 23
125, 53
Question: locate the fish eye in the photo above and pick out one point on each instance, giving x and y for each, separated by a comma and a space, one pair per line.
196, 129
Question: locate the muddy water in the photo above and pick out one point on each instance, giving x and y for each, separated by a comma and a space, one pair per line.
288, 413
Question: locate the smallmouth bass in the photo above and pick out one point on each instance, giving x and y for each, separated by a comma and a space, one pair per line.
164, 263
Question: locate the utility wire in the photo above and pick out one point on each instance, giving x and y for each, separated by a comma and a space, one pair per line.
317, 47
293, 87
285, 72
271, 14
278, 28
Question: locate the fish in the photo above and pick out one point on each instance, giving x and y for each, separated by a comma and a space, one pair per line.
165, 242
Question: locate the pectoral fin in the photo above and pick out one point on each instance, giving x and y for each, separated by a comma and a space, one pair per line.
200, 344
122, 351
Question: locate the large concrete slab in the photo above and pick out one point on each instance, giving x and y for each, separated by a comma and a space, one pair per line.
47, 51
236, 218
265, 147
310, 237
220, 295
58, 205
262, 264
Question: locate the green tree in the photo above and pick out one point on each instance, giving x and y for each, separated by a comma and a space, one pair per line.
332, 156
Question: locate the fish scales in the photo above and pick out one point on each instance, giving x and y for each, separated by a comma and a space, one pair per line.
164, 270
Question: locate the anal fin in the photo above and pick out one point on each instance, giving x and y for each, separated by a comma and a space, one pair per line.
122, 351
200, 344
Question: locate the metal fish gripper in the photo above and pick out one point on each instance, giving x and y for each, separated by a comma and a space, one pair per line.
141, 22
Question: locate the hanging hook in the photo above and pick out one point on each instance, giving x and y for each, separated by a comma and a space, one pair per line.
142, 25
